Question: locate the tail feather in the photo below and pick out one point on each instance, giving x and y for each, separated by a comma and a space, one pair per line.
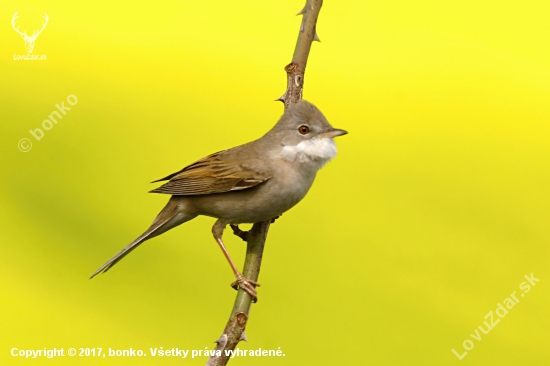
168, 218
124, 252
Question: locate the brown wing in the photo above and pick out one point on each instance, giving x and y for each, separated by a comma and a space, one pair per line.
213, 175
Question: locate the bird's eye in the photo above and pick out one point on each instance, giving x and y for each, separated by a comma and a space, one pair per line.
303, 129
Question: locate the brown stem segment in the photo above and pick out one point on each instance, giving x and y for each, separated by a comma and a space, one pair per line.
296, 69
256, 237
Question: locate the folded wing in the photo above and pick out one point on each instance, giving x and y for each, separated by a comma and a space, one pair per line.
213, 174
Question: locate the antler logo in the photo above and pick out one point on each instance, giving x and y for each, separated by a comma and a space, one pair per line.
29, 40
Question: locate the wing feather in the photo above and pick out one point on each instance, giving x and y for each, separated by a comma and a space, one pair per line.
213, 174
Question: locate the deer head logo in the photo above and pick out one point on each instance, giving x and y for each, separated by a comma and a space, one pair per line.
29, 40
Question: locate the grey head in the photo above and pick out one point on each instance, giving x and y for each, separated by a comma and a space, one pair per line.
302, 121
304, 134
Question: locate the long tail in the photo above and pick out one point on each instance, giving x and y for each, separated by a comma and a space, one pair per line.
171, 216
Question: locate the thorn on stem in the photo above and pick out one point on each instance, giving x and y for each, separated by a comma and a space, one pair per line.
222, 341
316, 37
281, 98
243, 337
303, 11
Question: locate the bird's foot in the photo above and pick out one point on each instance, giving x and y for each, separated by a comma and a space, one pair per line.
240, 233
244, 234
248, 286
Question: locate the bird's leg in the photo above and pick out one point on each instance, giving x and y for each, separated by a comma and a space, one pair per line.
238, 232
247, 285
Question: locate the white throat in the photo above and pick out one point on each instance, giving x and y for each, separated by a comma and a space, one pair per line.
314, 151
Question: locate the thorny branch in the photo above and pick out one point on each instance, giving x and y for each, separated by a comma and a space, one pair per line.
256, 237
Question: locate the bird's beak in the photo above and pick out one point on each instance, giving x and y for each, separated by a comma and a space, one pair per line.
332, 133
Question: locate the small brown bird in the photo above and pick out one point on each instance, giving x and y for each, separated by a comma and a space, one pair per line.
254, 182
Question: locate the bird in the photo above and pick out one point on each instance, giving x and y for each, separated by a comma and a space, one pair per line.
250, 183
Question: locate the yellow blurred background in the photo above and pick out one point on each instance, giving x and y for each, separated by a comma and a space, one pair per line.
435, 208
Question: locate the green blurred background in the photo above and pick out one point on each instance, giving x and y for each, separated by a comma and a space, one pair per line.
435, 208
